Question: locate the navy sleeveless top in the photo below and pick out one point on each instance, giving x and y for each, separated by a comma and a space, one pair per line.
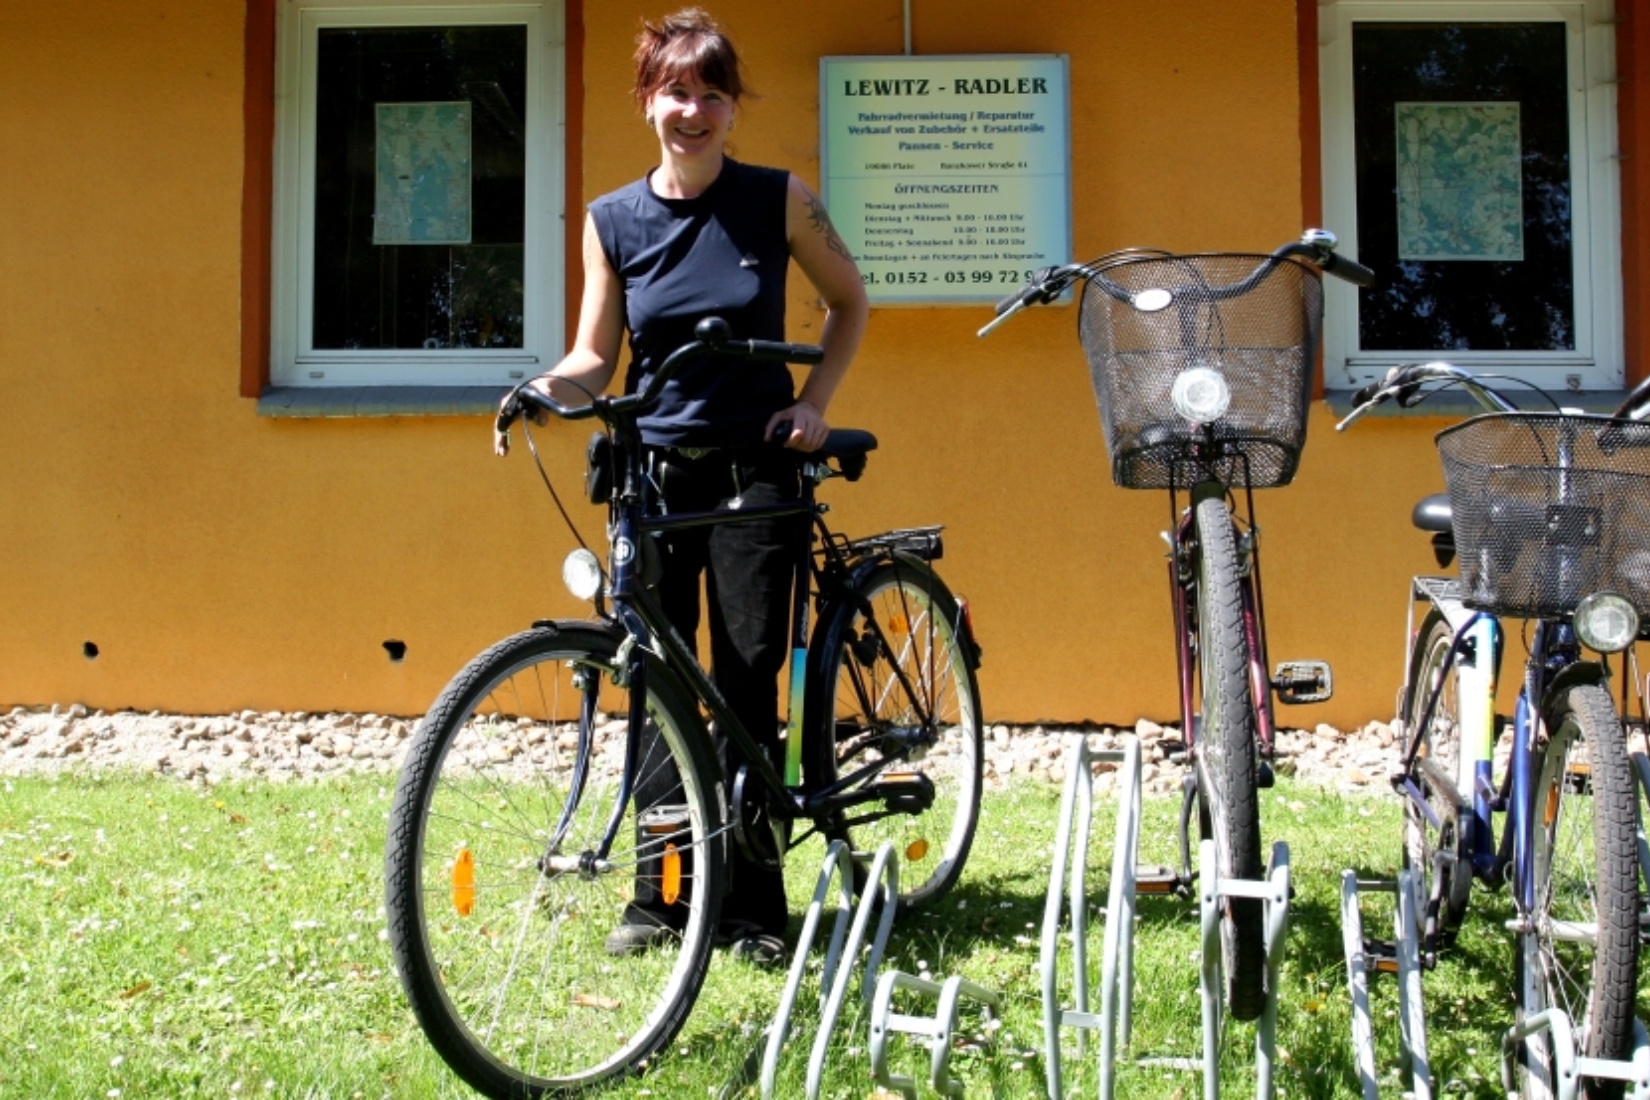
721, 254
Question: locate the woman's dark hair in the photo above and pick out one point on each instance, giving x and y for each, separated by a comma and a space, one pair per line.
688, 42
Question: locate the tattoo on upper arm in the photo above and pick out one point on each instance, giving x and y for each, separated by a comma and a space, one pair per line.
822, 224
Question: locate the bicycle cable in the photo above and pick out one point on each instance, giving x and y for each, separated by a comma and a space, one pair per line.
532, 449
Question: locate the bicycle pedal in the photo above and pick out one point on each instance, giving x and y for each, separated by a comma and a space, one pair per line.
904, 792
1265, 778
1156, 880
1382, 956
1298, 682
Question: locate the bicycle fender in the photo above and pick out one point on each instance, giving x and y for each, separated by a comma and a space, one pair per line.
603, 626
1580, 674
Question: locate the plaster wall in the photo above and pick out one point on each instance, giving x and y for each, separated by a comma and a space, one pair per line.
218, 560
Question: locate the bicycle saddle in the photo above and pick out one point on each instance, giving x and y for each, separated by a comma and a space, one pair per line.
1432, 513
848, 446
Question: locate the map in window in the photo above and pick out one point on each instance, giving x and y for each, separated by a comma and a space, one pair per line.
423, 174
1460, 181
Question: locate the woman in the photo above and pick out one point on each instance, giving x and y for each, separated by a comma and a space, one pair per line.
703, 235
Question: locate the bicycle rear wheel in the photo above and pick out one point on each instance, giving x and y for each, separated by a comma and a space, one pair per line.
1582, 953
498, 929
1441, 855
896, 667
1226, 760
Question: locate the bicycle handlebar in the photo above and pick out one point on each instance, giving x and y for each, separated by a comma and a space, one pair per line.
1404, 383
711, 335
1316, 246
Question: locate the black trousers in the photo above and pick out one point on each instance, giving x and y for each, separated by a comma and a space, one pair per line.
747, 571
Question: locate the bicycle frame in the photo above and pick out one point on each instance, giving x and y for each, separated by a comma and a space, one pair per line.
823, 576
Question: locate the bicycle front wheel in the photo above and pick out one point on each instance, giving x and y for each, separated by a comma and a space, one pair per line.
1439, 854
1581, 954
499, 910
1226, 754
905, 723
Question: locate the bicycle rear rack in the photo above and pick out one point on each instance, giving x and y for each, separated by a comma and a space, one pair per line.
1117, 966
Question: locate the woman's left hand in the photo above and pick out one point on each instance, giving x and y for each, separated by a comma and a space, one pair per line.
808, 427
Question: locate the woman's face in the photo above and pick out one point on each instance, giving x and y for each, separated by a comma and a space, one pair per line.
690, 117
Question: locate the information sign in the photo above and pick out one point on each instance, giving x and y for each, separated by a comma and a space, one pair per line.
949, 178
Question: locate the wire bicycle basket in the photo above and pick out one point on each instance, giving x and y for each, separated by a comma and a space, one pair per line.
1549, 508
1256, 320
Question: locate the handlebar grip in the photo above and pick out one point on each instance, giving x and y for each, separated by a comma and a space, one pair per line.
1366, 394
1350, 270
775, 349
1018, 298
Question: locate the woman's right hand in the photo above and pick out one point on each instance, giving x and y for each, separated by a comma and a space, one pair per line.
501, 435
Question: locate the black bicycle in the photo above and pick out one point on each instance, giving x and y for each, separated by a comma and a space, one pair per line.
569, 766
1202, 368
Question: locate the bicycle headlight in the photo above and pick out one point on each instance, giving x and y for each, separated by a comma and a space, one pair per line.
1201, 395
1606, 622
582, 574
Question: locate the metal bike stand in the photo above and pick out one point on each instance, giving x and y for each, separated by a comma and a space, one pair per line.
1117, 974
1571, 1067
1274, 892
881, 884
1414, 1063
937, 1030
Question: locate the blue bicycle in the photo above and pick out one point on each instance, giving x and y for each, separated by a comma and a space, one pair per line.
1549, 515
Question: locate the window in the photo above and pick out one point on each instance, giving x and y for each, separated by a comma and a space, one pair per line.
1469, 159
418, 193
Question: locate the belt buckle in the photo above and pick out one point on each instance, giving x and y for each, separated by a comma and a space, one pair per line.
693, 453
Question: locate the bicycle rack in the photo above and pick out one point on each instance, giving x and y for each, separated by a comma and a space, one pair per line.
1117, 967
843, 950
1572, 1067
937, 1030
1413, 1060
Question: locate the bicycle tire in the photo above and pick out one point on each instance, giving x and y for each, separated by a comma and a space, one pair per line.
1586, 871
875, 720
503, 963
1226, 761
1447, 883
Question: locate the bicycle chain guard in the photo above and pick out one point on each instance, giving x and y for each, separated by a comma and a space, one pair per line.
763, 837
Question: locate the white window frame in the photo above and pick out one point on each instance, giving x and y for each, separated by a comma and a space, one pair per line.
1596, 363
294, 361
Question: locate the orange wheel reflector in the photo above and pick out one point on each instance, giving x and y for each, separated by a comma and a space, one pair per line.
899, 624
670, 885
916, 850
1552, 808
464, 883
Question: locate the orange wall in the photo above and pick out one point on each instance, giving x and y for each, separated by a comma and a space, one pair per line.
220, 560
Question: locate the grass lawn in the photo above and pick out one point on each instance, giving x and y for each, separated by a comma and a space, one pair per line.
162, 939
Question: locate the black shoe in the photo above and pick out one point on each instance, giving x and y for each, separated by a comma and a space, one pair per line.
633, 939
760, 950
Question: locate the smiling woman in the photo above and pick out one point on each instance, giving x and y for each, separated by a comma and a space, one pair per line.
703, 235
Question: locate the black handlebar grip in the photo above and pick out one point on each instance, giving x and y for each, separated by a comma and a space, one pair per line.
785, 353
509, 413
1350, 270
1365, 395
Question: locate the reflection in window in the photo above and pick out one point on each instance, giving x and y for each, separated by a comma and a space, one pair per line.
1463, 186
420, 172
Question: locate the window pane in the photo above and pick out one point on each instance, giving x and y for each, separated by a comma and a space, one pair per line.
419, 187
1463, 163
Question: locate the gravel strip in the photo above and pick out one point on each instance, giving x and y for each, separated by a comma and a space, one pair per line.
283, 746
